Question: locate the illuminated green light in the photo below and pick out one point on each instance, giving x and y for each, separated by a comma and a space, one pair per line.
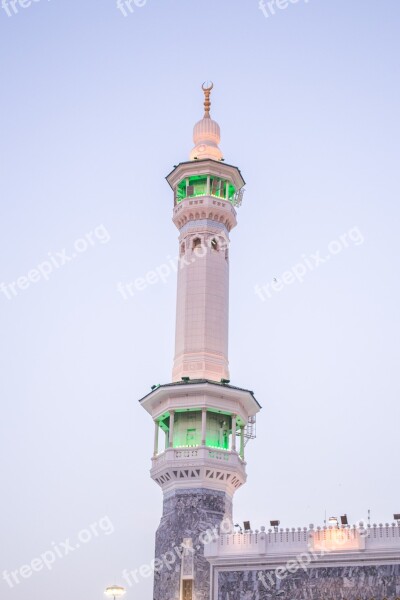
188, 426
212, 442
196, 185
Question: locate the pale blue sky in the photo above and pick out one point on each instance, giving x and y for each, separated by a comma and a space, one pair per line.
95, 111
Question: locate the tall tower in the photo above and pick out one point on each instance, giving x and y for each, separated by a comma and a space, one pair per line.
200, 463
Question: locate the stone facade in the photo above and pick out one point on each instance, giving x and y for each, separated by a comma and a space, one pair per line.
317, 583
187, 514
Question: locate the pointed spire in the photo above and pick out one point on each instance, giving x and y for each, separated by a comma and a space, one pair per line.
207, 102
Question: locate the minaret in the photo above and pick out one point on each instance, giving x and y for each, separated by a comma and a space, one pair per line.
205, 194
206, 420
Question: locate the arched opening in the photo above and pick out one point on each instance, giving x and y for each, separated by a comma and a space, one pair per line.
196, 243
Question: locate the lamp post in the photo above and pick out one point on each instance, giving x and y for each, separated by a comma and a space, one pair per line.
115, 591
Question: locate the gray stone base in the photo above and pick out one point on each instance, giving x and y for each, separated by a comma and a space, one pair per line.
187, 513
323, 583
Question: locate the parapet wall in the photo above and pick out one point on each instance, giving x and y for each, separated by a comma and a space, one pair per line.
284, 542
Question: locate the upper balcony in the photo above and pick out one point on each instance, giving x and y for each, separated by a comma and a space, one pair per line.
208, 168
205, 185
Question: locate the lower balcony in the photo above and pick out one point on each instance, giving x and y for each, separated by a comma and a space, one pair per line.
199, 467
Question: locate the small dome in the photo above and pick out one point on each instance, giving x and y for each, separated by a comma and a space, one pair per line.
206, 133
206, 130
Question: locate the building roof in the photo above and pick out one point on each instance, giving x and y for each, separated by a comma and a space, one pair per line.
202, 381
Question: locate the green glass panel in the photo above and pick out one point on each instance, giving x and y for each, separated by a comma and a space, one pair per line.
187, 429
218, 430
196, 185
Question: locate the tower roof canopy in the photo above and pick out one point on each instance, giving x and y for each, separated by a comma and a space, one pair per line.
206, 166
153, 401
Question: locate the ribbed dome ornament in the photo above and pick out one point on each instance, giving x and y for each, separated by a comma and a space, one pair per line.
206, 133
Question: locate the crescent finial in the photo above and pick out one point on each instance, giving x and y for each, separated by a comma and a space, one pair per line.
207, 87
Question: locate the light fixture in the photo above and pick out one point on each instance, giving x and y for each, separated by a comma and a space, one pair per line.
343, 520
115, 591
246, 525
333, 521
153, 387
185, 379
238, 526
275, 524
224, 381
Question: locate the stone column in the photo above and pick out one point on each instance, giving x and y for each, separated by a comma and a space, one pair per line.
242, 442
156, 429
203, 426
171, 429
233, 433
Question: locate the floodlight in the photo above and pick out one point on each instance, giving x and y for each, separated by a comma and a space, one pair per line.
274, 523
115, 591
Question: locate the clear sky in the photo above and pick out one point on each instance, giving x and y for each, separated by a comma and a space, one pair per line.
96, 108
